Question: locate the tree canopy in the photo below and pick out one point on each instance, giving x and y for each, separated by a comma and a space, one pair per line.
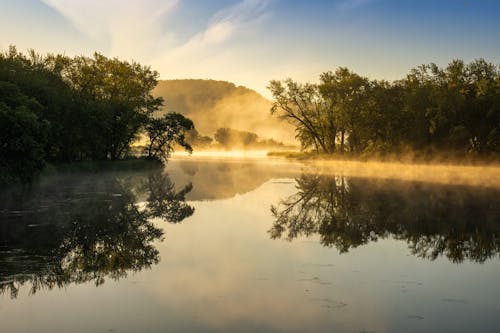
63, 109
452, 109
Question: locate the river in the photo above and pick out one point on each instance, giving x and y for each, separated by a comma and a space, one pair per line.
253, 245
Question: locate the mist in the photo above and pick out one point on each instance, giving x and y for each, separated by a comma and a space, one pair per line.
218, 104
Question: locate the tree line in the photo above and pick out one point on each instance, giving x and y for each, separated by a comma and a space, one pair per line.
455, 110
229, 138
56, 108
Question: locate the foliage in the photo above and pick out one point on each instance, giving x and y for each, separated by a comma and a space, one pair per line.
304, 106
61, 109
164, 132
194, 139
22, 137
453, 109
229, 137
117, 94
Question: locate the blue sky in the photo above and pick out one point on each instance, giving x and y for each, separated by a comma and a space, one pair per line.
250, 42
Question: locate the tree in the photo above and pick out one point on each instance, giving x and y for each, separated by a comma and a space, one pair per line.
23, 135
117, 94
232, 138
313, 116
36, 79
194, 139
347, 92
164, 132
455, 110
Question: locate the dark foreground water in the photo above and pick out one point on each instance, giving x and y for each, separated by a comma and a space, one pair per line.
248, 246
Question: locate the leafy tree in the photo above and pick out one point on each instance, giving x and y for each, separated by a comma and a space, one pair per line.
304, 107
117, 95
37, 79
347, 92
164, 132
63, 109
454, 110
23, 135
231, 138
194, 139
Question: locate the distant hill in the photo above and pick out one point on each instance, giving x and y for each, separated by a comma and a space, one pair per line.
214, 104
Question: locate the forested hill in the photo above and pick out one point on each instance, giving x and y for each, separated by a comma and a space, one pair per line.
215, 104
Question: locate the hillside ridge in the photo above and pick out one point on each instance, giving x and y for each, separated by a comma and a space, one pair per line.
214, 104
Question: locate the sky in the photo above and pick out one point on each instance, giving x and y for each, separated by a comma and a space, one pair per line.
250, 42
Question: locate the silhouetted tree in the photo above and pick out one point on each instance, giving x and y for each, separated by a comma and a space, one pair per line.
63, 109
455, 110
164, 132
313, 116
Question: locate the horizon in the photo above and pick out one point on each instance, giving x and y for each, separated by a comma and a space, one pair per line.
251, 42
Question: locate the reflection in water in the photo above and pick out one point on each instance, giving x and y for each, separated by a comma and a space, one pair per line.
84, 229
458, 222
217, 179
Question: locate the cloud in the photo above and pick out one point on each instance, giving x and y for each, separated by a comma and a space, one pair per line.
129, 28
136, 29
222, 26
208, 48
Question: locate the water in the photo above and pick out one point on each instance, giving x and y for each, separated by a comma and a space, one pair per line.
252, 245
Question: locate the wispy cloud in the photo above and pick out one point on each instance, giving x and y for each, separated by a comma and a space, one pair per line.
131, 28
135, 28
223, 26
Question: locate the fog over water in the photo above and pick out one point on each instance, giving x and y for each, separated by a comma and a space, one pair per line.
479, 175
246, 243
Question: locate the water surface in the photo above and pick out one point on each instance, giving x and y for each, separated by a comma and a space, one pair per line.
245, 245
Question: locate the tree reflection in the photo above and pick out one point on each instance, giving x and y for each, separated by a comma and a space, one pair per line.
458, 222
85, 230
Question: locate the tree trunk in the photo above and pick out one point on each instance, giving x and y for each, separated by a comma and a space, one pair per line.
342, 141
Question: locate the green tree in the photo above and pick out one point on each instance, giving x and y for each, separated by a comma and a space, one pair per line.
23, 135
63, 109
304, 106
164, 132
347, 92
454, 110
117, 94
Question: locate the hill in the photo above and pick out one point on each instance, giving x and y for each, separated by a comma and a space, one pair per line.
215, 104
